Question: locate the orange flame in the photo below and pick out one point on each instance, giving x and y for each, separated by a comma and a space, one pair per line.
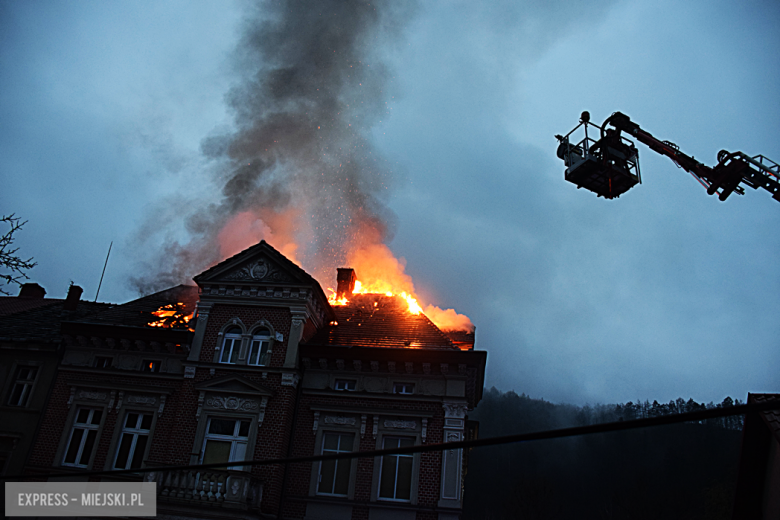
381, 272
171, 316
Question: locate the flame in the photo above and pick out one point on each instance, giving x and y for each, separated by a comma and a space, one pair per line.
382, 273
248, 228
379, 270
171, 316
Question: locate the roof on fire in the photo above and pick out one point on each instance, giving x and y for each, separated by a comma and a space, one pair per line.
376, 320
138, 313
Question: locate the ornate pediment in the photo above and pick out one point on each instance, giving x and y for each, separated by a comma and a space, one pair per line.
259, 270
233, 385
260, 263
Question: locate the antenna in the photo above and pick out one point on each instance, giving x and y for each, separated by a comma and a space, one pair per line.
104, 269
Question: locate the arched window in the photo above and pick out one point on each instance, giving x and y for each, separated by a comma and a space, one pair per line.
259, 350
230, 346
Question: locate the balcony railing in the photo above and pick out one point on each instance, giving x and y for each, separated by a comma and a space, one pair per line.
219, 488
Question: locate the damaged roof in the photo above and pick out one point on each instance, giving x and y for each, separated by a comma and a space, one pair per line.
138, 313
377, 320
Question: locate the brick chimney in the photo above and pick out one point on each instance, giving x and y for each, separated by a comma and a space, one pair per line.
72, 300
345, 280
32, 290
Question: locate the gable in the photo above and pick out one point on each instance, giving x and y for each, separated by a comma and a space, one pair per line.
233, 385
260, 263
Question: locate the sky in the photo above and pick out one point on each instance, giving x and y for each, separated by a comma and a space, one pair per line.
112, 114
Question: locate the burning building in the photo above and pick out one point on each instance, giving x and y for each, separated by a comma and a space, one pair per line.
256, 363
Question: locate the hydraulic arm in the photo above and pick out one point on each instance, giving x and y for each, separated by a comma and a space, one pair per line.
609, 166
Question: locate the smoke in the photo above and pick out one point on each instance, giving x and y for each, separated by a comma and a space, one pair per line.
297, 168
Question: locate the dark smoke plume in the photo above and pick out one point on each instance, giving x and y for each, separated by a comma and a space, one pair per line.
299, 164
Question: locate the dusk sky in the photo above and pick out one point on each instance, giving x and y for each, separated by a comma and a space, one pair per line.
113, 117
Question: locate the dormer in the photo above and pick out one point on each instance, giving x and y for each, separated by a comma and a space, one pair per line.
259, 277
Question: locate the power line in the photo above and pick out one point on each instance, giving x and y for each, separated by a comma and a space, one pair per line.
475, 443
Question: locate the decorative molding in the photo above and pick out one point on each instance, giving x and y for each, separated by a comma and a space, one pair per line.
111, 401
455, 410
323, 363
261, 414
424, 429
279, 337
399, 424
290, 379
72, 395
374, 384
462, 369
261, 269
121, 397
409, 367
138, 399
363, 425
375, 366
306, 363
189, 372
445, 368
340, 364
391, 367
340, 420
316, 422
201, 397
90, 394
426, 368
375, 429
162, 405
357, 365
232, 403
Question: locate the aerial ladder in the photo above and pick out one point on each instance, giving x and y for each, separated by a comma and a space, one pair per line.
606, 162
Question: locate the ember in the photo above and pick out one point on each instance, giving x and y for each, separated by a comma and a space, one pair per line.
383, 273
172, 316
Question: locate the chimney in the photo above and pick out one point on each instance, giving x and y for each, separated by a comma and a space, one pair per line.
32, 290
345, 280
72, 300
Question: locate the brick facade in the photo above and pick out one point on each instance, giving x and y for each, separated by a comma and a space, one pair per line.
310, 388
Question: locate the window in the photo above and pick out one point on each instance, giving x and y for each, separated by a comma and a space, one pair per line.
102, 362
132, 444
230, 346
395, 480
82, 437
346, 384
259, 349
225, 440
23, 383
150, 365
403, 388
334, 474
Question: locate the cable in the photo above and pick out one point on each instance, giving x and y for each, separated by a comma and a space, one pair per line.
476, 443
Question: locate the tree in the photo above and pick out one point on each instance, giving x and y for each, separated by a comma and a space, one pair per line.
9, 261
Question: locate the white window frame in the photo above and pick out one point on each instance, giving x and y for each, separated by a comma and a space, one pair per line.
235, 347
25, 383
239, 446
398, 457
261, 338
405, 388
348, 439
135, 432
344, 385
87, 428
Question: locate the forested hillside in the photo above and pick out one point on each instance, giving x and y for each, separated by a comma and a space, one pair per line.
681, 471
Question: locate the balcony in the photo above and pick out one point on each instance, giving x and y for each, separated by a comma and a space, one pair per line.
230, 489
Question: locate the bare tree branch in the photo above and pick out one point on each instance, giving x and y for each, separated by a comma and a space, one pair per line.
13, 265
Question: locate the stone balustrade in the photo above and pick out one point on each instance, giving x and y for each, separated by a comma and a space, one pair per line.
218, 488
